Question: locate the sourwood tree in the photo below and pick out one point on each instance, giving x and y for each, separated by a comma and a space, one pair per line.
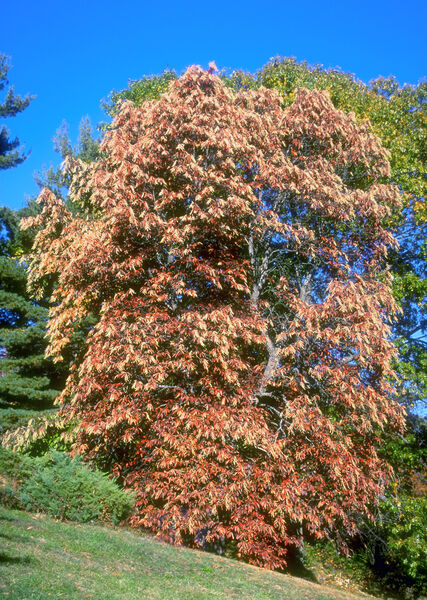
239, 374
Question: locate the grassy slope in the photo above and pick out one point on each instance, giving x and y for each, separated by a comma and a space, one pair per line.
41, 558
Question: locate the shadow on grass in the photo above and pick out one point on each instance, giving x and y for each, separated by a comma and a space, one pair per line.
297, 568
14, 537
14, 560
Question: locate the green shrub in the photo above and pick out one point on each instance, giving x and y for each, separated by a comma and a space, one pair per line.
15, 467
9, 498
63, 487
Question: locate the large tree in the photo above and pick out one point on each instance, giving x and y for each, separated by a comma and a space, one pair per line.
10, 153
233, 253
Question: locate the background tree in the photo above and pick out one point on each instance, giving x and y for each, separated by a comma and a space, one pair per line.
140, 90
28, 379
238, 374
10, 153
86, 150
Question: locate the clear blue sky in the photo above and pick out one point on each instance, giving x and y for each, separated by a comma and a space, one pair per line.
72, 54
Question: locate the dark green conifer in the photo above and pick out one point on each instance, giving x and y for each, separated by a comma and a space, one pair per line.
27, 379
10, 153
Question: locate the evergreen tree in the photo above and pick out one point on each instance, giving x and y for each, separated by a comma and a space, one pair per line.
10, 153
28, 379
86, 150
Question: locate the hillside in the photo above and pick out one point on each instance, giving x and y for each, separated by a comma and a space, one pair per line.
42, 558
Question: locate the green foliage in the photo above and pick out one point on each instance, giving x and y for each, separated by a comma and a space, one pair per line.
43, 432
408, 455
9, 498
10, 153
400, 550
408, 264
148, 88
15, 467
28, 379
406, 535
63, 487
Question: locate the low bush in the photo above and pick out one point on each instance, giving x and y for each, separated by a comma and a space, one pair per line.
9, 498
15, 467
61, 486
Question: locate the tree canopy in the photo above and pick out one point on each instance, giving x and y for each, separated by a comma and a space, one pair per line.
233, 254
397, 116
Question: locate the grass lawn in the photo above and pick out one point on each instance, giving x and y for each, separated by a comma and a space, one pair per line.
41, 558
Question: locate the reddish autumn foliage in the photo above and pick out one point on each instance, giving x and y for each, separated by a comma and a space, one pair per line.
233, 254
